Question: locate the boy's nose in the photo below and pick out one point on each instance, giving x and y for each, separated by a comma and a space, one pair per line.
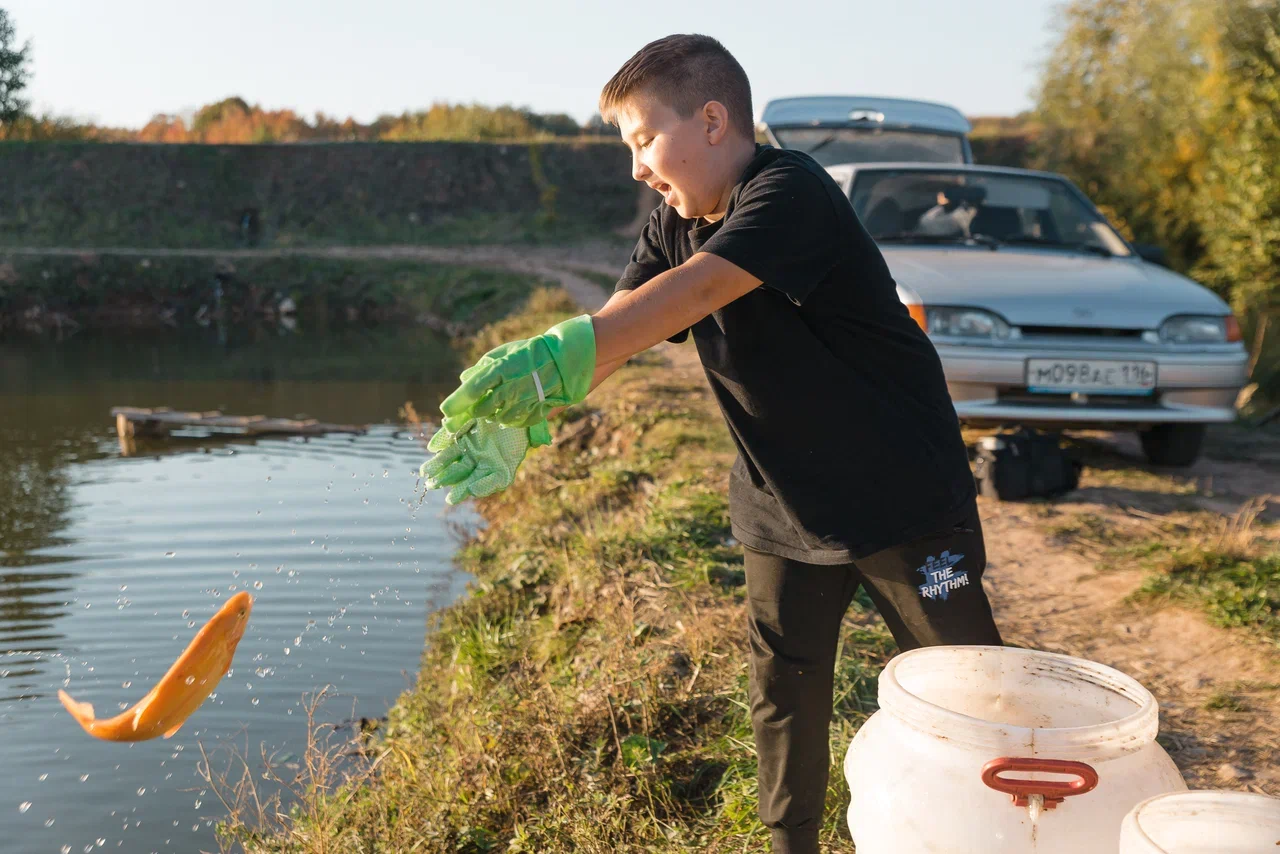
638, 170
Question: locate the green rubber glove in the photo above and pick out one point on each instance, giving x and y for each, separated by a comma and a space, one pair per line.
482, 460
519, 383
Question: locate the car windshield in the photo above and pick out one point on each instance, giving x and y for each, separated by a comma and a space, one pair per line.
830, 146
945, 206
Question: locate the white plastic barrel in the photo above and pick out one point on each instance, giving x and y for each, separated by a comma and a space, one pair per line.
937, 768
1202, 822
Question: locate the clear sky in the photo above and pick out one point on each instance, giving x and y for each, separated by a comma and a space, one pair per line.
118, 62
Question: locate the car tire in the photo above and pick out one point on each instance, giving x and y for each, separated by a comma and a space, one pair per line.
1175, 445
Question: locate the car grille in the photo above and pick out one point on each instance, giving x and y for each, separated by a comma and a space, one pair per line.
1079, 332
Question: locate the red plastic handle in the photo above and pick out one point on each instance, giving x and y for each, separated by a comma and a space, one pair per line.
1053, 792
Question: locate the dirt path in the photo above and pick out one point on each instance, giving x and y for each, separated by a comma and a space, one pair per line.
558, 263
1049, 597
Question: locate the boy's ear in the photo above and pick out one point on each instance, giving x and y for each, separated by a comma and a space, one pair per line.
715, 116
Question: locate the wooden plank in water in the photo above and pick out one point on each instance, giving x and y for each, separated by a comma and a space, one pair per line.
136, 422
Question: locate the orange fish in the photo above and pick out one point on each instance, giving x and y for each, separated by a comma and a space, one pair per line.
189, 681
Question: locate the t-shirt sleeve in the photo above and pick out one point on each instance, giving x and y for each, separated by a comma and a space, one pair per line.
648, 259
784, 230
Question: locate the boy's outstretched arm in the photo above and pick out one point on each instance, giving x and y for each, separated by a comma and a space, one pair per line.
670, 302
665, 305
519, 383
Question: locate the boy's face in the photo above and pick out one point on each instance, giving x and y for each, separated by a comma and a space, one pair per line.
683, 159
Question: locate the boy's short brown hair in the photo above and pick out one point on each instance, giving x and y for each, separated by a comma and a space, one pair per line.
684, 72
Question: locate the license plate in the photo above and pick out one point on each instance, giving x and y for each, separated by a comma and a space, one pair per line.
1089, 375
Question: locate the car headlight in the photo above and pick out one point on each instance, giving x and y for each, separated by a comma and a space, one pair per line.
1196, 329
965, 323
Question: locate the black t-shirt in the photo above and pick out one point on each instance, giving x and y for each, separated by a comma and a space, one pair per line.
847, 439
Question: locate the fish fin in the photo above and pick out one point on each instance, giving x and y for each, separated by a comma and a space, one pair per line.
82, 712
142, 707
169, 732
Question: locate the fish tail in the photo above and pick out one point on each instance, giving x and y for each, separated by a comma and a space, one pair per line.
82, 712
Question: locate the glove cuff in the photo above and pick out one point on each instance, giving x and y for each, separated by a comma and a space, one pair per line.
573, 347
539, 434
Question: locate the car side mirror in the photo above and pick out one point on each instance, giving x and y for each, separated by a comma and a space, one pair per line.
1153, 253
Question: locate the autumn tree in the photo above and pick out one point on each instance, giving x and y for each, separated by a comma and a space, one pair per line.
1127, 101
1240, 202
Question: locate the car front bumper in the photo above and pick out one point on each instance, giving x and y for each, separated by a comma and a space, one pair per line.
988, 387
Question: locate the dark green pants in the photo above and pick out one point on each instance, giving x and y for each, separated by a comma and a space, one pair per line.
929, 592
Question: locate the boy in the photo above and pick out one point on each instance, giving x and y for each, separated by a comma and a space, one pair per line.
851, 469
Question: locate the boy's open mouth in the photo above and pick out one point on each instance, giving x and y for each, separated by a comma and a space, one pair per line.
664, 189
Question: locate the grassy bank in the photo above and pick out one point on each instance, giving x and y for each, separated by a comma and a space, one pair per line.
107, 290
319, 194
590, 694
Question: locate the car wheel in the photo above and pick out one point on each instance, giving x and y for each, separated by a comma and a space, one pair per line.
1173, 444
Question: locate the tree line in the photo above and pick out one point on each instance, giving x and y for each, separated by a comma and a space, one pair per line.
234, 120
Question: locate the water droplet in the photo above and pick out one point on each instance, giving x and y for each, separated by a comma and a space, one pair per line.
84, 777
44, 776
102, 842
191, 625
126, 684
364, 630
48, 822
66, 849
186, 612
291, 573
191, 680
24, 806
297, 641
170, 554
200, 802
88, 605
254, 702
235, 573
142, 791
268, 481
257, 585
286, 650
123, 587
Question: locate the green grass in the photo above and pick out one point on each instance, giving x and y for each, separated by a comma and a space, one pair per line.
326, 194
1234, 590
1227, 568
590, 694
1225, 701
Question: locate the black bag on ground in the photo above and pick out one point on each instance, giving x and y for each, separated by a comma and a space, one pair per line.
1025, 464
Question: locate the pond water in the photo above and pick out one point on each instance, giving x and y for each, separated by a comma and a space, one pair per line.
110, 563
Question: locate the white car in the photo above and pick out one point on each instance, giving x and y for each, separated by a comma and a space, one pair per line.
1042, 313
